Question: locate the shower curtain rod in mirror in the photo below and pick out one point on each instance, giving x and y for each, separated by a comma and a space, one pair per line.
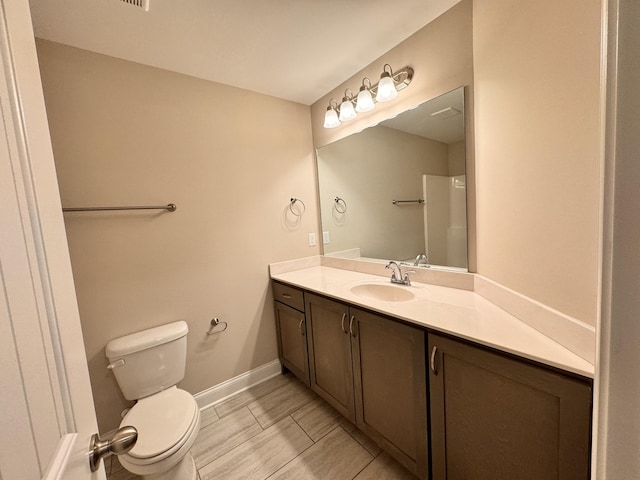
419, 201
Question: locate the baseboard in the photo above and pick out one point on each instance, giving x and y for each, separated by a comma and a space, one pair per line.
228, 388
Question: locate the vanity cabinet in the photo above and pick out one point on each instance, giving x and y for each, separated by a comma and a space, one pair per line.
372, 370
291, 330
489, 415
496, 417
331, 368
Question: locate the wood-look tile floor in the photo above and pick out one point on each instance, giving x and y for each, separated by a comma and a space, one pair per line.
280, 429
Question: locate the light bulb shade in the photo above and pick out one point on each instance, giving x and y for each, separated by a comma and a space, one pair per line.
364, 103
386, 89
331, 118
347, 112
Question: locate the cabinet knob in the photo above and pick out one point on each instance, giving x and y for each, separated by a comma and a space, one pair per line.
300, 327
432, 362
287, 296
344, 317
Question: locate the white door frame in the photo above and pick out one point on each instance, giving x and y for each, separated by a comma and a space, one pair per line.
47, 415
617, 407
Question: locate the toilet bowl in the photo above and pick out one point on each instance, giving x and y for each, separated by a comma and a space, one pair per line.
167, 424
147, 366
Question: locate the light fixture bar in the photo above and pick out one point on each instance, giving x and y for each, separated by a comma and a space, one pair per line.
401, 80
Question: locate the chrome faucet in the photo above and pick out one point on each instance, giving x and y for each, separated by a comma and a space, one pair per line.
402, 280
422, 258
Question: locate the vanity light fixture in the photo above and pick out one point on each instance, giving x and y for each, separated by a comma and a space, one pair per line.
384, 91
364, 103
386, 86
347, 112
331, 119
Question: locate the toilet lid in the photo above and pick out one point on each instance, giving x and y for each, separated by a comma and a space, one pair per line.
162, 420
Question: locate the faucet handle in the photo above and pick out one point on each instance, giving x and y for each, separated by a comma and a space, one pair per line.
407, 280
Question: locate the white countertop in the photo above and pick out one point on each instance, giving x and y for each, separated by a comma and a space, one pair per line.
462, 313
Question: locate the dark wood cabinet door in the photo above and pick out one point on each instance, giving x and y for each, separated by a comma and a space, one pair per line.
331, 371
497, 418
292, 341
391, 390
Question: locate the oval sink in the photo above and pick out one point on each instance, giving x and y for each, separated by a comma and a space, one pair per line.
383, 292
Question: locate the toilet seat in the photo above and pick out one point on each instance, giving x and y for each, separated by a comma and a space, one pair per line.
165, 422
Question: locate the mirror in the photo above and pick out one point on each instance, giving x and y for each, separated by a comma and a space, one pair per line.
397, 190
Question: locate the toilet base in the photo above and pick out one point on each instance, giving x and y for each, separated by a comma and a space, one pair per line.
185, 469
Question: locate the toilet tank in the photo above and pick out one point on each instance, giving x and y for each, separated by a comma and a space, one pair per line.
149, 361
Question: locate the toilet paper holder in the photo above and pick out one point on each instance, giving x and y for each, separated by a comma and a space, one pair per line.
213, 326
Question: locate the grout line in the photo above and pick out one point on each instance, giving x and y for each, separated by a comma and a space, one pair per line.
312, 444
256, 418
301, 427
238, 445
363, 468
336, 426
362, 444
222, 402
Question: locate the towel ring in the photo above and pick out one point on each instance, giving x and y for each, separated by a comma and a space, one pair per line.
215, 322
295, 200
340, 205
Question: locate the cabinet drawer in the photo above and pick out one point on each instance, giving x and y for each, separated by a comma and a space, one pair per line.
288, 295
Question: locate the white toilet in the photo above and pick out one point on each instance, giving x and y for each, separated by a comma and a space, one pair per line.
147, 366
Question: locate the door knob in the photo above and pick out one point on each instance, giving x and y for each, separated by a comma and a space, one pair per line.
117, 443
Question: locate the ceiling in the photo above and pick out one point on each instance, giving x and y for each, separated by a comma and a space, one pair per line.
292, 49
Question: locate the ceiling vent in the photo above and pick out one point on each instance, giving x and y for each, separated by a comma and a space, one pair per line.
446, 113
143, 4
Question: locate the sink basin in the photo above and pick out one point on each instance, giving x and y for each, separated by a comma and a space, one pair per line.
383, 292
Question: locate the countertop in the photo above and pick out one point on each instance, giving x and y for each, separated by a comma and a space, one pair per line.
461, 313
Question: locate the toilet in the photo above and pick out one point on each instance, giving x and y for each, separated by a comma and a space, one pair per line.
147, 366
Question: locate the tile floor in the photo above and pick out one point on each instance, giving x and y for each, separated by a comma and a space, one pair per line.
280, 429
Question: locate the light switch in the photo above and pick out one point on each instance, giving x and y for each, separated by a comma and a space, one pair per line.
325, 238
312, 239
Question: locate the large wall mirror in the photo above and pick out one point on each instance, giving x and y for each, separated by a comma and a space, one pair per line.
397, 190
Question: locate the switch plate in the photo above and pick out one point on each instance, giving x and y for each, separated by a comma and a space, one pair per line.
312, 239
325, 238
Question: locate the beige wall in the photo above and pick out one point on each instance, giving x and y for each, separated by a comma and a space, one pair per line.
537, 135
124, 133
441, 54
456, 159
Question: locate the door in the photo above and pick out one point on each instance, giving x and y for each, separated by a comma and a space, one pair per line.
391, 387
47, 416
330, 353
293, 341
497, 418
